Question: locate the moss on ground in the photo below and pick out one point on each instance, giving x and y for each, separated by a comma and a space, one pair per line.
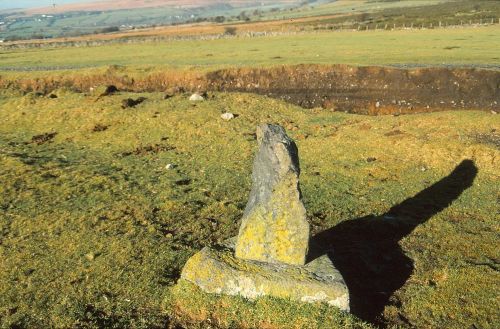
94, 228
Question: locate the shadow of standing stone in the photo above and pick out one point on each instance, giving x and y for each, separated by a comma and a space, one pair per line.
268, 256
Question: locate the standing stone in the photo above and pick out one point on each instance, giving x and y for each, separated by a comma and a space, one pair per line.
268, 256
274, 227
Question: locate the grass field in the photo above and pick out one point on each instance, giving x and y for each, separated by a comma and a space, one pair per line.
461, 46
94, 229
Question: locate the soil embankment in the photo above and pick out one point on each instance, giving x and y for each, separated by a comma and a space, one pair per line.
363, 90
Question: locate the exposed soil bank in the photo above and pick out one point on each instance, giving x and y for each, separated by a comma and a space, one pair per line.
364, 90
368, 90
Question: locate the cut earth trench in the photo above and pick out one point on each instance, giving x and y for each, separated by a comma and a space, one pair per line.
372, 90
368, 90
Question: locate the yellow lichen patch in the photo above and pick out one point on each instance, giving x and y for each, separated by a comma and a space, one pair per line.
252, 236
291, 232
276, 232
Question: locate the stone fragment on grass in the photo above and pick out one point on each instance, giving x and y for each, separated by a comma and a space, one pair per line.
274, 227
90, 256
216, 270
196, 97
227, 116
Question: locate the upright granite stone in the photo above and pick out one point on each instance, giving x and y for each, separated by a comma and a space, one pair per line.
274, 227
268, 256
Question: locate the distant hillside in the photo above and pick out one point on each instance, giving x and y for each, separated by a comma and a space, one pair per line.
127, 16
110, 5
122, 15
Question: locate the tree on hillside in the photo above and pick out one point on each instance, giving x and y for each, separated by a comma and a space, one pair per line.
243, 16
220, 19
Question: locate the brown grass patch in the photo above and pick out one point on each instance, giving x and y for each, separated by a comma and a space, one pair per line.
43, 138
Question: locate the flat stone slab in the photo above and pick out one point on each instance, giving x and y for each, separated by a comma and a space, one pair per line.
217, 270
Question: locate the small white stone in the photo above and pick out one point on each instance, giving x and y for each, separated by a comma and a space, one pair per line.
377, 104
170, 166
227, 116
196, 98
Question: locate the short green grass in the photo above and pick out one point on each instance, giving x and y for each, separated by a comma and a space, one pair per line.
94, 230
466, 46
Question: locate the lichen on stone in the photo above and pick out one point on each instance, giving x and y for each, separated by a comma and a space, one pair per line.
216, 270
274, 227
